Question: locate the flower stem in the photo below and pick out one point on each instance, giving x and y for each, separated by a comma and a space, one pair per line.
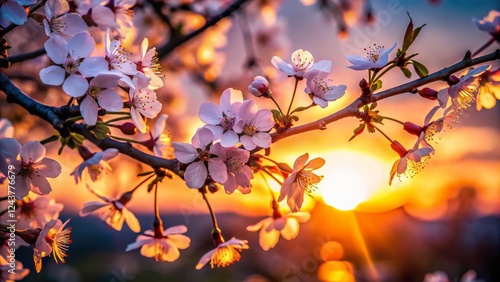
293, 96
268, 186
492, 39
157, 210
277, 105
142, 182
125, 139
117, 113
117, 119
385, 135
203, 192
393, 119
382, 73
305, 108
273, 177
77, 118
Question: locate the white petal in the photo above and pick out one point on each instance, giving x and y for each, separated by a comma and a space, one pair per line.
75, 85
52, 75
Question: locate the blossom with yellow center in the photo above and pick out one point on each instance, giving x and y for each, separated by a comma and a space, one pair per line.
225, 253
52, 239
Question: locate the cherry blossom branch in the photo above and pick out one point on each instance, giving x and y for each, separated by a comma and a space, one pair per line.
6, 62
409, 87
176, 42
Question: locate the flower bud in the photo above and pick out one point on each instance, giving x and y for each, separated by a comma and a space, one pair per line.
412, 128
428, 93
452, 80
85, 152
29, 235
128, 128
260, 87
398, 148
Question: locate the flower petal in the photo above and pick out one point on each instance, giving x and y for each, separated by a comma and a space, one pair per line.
195, 175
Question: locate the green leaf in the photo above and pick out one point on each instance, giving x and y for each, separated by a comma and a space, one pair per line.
284, 167
358, 130
101, 131
406, 72
300, 109
370, 128
373, 105
276, 115
420, 69
376, 85
294, 117
416, 32
145, 173
408, 38
64, 141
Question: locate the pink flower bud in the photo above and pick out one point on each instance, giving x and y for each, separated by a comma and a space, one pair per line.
260, 87
412, 128
398, 148
428, 93
452, 80
128, 128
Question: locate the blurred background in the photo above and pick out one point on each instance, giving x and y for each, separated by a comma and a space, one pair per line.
446, 218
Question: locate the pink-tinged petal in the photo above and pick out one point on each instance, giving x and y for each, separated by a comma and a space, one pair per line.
248, 110
170, 252
160, 124
92, 206
33, 152
48, 168
302, 217
202, 138
217, 169
55, 8
141, 81
103, 17
315, 163
138, 119
14, 12
429, 116
105, 80
184, 152
40, 185
263, 120
205, 259
443, 97
57, 50
22, 188
139, 243
229, 97
81, 45
300, 162
180, 241
6, 128
52, 75
178, 229
277, 224
74, 23
291, 229
217, 131
359, 63
108, 154
282, 66
75, 85
210, 113
144, 48
320, 102
247, 142
262, 139
295, 201
229, 139
230, 185
323, 66
402, 165
110, 100
286, 187
93, 66
268, 239
334, 92
89, 110
384, 57
259, 225
195, 175
131, 220
393, 171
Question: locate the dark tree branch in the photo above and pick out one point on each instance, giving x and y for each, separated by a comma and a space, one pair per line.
6, 62
176, 42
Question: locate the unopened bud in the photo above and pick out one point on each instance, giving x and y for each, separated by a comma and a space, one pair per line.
412, 128
125, 197
452, 80
85, 153
260, 87
128, 128
428, 93
29, 235
212, 187
398, 148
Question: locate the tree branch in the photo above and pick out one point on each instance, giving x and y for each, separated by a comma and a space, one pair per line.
176, 42
6, 62
351, 109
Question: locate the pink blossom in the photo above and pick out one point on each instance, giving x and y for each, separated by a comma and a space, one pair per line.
272, 227
58, 21
30, 166
144, 103
52, 239
239, 173
95, 165
101, 92
221, 119
260, 87
376, 58
198, 156
73, 66
321, 93
162, 140
117, 56
149, 65
113, 212
462, 94
165, 248
303, 62
13, 11
490, 23
6, 128
9, 273
34, 211
301, 180
224, 254
411, 161
254, 125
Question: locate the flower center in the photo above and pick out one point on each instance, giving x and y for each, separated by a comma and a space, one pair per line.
227, 122
224, 256
249, 129
373, 52
94, 91
71, 66
204, 155
57, 25
95, 171
302, 63
26, 170
26, 209
234, 164
307, 181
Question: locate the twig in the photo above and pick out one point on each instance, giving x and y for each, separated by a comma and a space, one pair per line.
6, 62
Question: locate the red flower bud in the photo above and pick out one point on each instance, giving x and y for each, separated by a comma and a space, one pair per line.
85, 153
452, 80
428, 93
128, 128
398, 148
412, 128
260, 87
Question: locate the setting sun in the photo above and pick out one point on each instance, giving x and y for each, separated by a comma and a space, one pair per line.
351, 179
